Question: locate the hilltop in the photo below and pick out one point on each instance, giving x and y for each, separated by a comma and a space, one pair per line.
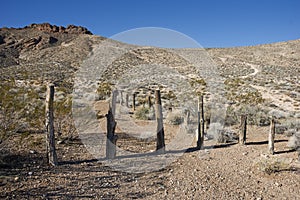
260, 81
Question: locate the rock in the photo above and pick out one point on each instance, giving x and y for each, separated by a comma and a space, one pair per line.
32, 151
30, 173
32, 42
72, 29
1, 40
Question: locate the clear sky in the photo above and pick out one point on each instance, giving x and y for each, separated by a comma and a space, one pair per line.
212, 23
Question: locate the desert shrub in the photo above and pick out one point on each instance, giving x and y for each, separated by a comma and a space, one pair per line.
20, 108
255, 115
63, 121
277, 114
174, 118
104, 90
270, 166
294, 141
231, 117
226, 136
290, 132
142, 113
291, 123
280, 129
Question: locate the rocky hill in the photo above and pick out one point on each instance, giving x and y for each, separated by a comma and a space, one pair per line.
260, 81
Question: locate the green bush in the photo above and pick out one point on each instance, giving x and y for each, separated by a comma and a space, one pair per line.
104, 90
142, 113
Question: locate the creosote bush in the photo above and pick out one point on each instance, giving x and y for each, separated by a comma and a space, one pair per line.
142, 113
20, 108
104, 90
270, 166
174, 118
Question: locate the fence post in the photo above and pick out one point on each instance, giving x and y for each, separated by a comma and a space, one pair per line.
121, 98
160, 142
49, 123
111, 137
133, 101
126, 100
187, 118
243, 130
271, 136
200, 140
149, 101
113, 102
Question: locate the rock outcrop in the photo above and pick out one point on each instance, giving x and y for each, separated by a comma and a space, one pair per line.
15, 41
72, 29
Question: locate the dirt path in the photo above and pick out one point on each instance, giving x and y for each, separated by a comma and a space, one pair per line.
280, 100
254, 67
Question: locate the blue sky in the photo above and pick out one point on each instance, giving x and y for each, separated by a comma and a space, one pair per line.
212, 23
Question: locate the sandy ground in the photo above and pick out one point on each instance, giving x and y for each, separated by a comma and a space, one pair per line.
219, 171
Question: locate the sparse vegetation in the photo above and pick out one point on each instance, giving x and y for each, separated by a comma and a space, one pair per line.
175, 118
259, 81
104, 90
19, 108
142, 113
271, 166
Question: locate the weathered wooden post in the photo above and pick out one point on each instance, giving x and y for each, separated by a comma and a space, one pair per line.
187, 118
111, 137
111, 126
149, 101
160, 142
201, 122
133, 101
127, 100
113, 102
243, 130
121, 98
271, 136
49, 123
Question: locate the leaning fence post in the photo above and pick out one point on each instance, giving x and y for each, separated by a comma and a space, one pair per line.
243, 130
271, 136
200, 123
111, 137
49, 123
160, 142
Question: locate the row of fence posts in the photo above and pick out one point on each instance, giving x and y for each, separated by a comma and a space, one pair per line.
243, 133
160, 137
160, 142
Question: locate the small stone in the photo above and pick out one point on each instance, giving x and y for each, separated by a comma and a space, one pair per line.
32, 151
206, 150
278, 184
30, 173
16, 178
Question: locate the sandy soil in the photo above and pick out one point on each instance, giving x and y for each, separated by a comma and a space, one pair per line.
219, 171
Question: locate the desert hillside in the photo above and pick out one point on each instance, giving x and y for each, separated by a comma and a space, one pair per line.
262, 82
